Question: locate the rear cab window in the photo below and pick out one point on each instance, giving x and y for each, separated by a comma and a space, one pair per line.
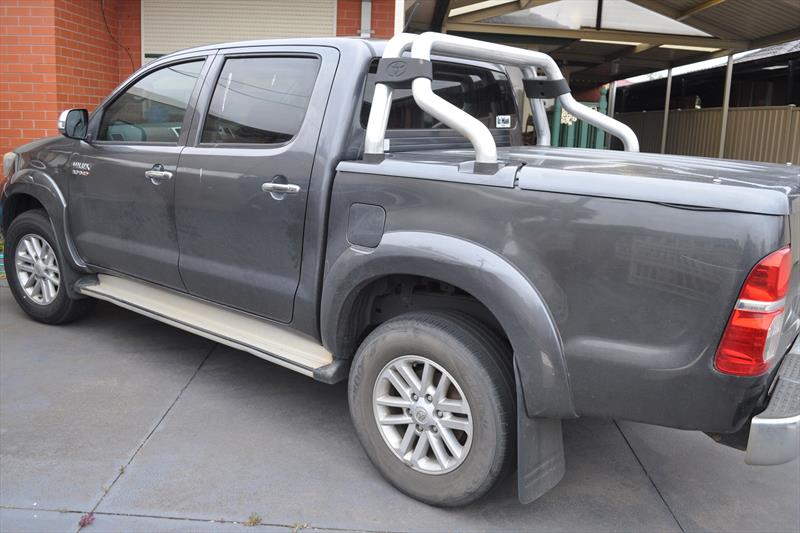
483, 93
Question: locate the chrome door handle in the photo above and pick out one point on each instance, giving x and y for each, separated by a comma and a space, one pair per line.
283, 188
157, 174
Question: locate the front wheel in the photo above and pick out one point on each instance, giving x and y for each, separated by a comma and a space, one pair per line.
35, 268
431, 397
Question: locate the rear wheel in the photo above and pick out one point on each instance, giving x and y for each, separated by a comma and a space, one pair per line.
431, 397
35, 268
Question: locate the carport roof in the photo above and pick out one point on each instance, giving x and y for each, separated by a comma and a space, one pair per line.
597, 41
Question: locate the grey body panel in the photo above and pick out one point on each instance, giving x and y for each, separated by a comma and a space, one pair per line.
640, 291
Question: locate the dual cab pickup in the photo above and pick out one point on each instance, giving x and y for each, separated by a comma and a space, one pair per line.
365, 210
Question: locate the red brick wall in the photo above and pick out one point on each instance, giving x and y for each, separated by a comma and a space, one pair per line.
56, 54
348, 18
28, 90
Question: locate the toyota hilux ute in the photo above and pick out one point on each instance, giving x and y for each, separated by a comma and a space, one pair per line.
366, 211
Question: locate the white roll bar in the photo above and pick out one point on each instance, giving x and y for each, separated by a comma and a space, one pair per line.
382, 97
538, 112
473, 129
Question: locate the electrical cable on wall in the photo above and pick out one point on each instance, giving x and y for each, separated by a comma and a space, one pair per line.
113, 38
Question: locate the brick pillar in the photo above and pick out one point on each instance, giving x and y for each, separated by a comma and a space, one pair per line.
348, 18
56, 54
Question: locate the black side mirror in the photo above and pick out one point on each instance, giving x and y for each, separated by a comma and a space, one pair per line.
72, 123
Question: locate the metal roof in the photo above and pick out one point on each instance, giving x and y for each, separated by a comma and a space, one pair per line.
597, 41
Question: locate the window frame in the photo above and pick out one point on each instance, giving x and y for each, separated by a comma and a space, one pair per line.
96, 119
213, 79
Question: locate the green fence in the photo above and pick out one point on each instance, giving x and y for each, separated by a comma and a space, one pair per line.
566, 130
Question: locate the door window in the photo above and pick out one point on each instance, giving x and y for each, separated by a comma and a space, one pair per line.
260, 100
152, 109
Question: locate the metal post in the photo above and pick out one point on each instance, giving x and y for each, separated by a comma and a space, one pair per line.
555, 130
666, 112
725, 99
602, 106
612, 106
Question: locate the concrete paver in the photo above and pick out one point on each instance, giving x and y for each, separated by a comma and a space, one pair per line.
248, 436
77, 401
709, 487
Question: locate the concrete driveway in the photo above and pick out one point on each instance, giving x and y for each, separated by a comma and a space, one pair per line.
155, 429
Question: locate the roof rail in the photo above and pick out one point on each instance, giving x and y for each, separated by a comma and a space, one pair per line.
394, 70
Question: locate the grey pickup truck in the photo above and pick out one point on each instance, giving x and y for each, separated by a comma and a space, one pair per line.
366, 211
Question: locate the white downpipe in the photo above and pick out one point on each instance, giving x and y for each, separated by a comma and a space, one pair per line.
474, 130
399, 16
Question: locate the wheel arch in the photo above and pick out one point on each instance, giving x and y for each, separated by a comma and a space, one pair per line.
495, 283
33, 189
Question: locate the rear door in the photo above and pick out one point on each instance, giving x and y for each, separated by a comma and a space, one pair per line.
243, 182
122, 182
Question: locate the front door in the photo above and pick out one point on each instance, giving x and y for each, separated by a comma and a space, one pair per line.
242, 188
122, 182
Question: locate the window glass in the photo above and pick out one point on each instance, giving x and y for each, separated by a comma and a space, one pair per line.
260, 100
485, 94
152, 109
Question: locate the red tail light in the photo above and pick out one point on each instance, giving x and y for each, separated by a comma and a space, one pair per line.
754, 329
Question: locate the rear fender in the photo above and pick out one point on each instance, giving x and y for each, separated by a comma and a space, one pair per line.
543, 380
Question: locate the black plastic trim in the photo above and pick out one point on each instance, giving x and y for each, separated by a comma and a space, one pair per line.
545, 88
399, 72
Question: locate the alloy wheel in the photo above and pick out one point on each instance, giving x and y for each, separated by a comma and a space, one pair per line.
422, 414
37, 269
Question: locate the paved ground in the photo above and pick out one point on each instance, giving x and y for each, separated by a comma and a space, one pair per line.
154, 429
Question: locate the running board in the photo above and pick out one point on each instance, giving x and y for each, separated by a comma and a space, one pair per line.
225, 326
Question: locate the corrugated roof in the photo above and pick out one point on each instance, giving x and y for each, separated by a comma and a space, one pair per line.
732, 26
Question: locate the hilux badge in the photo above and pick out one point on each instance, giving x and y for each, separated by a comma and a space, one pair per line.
81, 168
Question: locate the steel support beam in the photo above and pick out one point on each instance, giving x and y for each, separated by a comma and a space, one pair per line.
664, 127
708, 4
662, 9
725, 101
498, 10
784, 37
605, 35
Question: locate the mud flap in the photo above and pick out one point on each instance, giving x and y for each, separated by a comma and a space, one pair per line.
540, 452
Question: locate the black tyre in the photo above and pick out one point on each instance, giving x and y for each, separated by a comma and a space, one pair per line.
35, 269
432, 400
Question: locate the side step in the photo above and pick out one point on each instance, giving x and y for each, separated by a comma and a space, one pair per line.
226, 326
